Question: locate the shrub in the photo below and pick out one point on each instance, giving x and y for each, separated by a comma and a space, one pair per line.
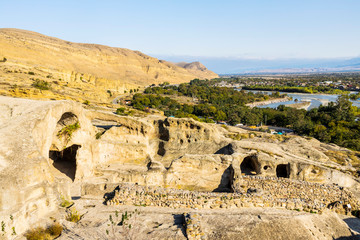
40, 84
99, 134
86, 102
41, 233
68, 130
120, 111
128, 223
31, 73
65, 203
55, 229
73, 216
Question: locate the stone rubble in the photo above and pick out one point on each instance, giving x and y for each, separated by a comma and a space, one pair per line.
263, 192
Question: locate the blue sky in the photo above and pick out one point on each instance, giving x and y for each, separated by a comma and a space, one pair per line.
260, 29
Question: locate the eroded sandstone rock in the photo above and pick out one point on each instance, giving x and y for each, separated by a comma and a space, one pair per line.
49, 149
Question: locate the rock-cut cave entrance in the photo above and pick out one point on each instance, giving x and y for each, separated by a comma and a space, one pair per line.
65, 160
283, 170
250, 165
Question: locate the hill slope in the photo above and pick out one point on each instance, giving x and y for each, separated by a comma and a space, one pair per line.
103, 67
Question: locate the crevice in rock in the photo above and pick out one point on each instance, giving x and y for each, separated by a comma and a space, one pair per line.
179, 221
161, 149
226, 182
163, 131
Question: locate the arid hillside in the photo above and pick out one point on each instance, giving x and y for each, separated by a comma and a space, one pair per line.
86, 67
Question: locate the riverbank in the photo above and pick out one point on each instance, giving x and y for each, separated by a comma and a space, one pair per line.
304, 90
300, 105
275, 100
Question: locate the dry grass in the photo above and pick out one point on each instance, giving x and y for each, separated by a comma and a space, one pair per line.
73, 216
344, 157
277, 137
240, 136
41, 233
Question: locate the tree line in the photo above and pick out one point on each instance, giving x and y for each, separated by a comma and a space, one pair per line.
336, 123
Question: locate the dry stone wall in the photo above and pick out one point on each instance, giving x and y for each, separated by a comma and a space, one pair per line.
257, 192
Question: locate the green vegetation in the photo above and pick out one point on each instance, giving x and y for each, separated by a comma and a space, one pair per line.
41, 84
311, 89
11, 228
214, 103
41, 233
68, 130
31, 73
124, 112
99, 134
336, 123
355, 96
65, 203
330, 83
128, 219
120, 111
4, 59
109, 92
3, 227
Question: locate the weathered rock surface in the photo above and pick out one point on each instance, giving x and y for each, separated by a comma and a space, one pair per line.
250, 223
196, 68
54, 149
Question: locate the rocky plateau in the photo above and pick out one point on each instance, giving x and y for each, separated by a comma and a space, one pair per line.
179, 178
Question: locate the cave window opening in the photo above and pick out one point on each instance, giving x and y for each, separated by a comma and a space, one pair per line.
249, 166
227, 150
65, 160
67, 118
282, 170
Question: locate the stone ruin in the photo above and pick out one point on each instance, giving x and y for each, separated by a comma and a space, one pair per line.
56, 149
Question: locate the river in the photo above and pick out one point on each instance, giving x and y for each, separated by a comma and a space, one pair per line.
315, 99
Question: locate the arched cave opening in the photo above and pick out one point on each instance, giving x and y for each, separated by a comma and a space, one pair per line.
283, 170
250, 165
65, 160
67, 118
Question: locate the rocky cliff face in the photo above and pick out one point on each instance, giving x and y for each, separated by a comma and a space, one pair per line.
51, 149
196, 68
96, 64
80, 72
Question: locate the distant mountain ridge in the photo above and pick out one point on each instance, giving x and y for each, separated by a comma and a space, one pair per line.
195, 68
116, 65
232, 65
